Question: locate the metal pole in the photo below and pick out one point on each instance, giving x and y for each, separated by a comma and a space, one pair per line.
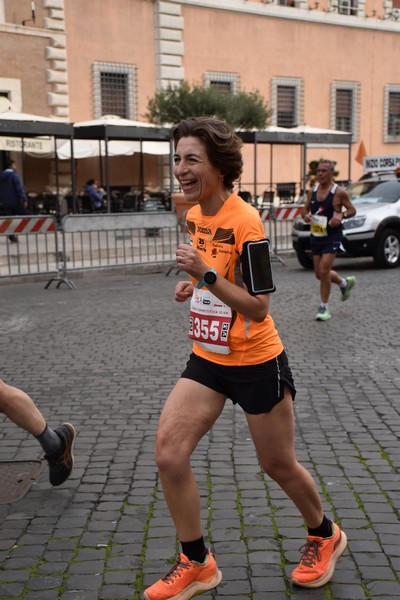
304, 185
349, 161
107, 174
255, 169
141, 171
171, 165
72, 168
58, 203
100, 166
271, 169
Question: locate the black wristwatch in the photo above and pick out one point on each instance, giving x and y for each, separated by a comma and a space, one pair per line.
210, 277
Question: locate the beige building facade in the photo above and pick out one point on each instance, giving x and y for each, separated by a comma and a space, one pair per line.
328, 64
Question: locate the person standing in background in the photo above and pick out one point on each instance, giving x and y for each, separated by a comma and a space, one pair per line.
13, 198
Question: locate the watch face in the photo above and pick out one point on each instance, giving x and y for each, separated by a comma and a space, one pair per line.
210, 277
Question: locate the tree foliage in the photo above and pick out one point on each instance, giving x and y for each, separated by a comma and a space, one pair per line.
244, 110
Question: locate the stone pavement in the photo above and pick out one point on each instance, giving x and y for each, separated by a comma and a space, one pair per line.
106, 355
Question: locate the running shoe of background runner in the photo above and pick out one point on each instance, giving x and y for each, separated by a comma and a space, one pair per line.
323, 314
351, 281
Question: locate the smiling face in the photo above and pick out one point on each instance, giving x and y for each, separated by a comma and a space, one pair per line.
199, 179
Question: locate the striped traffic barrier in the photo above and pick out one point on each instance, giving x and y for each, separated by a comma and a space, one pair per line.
25, 225
29, 246
280, 213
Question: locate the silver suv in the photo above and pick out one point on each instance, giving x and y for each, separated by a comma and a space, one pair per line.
375, 229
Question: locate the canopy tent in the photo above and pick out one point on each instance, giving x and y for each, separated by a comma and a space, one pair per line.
113, 128
15, 124
93, 148
302, 135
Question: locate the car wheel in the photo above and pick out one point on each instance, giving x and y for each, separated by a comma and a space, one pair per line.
387, 253
304, 259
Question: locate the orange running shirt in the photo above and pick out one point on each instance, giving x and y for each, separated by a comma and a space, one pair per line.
220, 240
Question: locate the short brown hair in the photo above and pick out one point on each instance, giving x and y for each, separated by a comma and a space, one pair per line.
223, 146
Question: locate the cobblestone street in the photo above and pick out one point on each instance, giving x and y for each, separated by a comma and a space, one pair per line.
104, 356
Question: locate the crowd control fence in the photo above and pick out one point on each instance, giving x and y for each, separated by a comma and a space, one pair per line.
278, 222
28, 245
110, 240
83, 242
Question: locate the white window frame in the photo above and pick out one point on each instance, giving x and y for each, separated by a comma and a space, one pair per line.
220, 76
127, 69
13, 89
298, 84
348, 7
389, 139
354, 86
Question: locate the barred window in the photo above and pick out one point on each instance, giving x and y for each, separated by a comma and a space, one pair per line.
347, 7
223, 86
394, 114
114, 94
287, 101
344, 110
114, 90
345, 107
224, 82
286, 106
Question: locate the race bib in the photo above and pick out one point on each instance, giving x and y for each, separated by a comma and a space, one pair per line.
319, 225
209, 322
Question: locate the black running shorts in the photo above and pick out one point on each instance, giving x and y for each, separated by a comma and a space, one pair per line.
256, 388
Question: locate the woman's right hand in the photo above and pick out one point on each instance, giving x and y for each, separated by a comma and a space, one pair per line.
183, 291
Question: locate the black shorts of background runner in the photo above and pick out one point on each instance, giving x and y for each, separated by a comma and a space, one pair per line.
256, 388
326, 245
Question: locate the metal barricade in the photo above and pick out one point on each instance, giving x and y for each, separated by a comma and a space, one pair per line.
108, 240
29, 246
278, 222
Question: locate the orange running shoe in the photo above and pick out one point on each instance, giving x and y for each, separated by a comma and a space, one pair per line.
186, 579
319, 559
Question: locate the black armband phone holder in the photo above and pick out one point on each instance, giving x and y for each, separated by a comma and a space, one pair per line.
256, 267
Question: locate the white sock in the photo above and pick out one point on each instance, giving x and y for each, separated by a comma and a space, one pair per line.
343, 284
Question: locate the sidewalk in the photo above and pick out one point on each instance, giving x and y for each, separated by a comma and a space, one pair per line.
105, 356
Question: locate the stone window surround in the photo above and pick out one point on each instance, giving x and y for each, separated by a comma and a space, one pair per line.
386, 137
223, 77
355, 116
129, 69
13, 89
295, 82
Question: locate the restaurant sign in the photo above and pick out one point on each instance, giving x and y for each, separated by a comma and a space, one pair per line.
35, 145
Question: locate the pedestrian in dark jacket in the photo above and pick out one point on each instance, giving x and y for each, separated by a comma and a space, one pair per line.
12, 194
95, 194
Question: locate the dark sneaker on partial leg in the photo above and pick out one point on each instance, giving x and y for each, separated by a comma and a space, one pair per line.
60, 466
